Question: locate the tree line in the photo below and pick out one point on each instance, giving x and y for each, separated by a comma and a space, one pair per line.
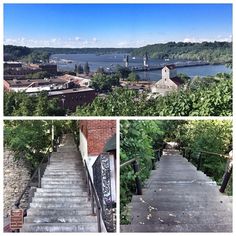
213, 52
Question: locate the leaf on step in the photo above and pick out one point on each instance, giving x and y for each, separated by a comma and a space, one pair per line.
160, 189
141, 223
142, 200
162, 221
149, 216
172, 215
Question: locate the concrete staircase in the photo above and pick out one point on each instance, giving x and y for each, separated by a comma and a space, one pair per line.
178, 198
61, 204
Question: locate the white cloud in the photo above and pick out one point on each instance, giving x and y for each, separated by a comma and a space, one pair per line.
219, 38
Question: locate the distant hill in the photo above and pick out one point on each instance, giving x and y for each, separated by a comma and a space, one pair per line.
36, 54
213, 52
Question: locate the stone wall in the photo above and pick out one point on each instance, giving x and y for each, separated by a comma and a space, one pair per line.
16, 176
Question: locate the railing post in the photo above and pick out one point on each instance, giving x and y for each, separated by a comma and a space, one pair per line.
99, 219
199, 162
158, 154
189, 155
92, 203
226, 180
137, 179
39, 177
153, 164
183, 150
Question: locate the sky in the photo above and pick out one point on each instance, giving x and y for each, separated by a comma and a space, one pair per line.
114, 25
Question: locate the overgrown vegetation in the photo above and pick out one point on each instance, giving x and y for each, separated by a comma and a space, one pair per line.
210, 136
30, 140
139, 138
21, 104
200, 99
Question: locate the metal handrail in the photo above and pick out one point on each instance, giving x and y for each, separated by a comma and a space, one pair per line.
134, 162
206, 152
37, 171
228, 171
127, 162
93, 194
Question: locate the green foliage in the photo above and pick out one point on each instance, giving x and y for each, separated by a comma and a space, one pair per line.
27, 139
133, 77
212, 100
137, 141
211, 136
104, 83
214, 52
80, 69
26, 54
185, 78
122, 72
30, 140
86, 68
138, 138
21, 104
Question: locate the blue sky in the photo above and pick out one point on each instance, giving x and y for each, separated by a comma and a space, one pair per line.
114, 25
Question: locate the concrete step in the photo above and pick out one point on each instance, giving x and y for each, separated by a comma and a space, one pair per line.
180, 206
54, 205
182, 217
63, 172
60, 194
61, 219
60, 199
59, 211
62, 181
59, 227
178, 228
180, 198
61, 190
74, 186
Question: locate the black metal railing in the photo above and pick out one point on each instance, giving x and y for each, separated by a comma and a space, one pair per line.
136, 168
93, 198
102, 183
199, 159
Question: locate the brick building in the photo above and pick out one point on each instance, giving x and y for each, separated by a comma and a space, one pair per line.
95, 137
71, 98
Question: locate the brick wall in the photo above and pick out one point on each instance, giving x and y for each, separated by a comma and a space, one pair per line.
97, 133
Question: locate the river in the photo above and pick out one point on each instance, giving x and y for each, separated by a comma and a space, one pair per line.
66, 62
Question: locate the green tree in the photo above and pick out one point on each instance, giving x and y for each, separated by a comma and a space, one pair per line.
104, 83
80, 69
86, 68
133, 77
